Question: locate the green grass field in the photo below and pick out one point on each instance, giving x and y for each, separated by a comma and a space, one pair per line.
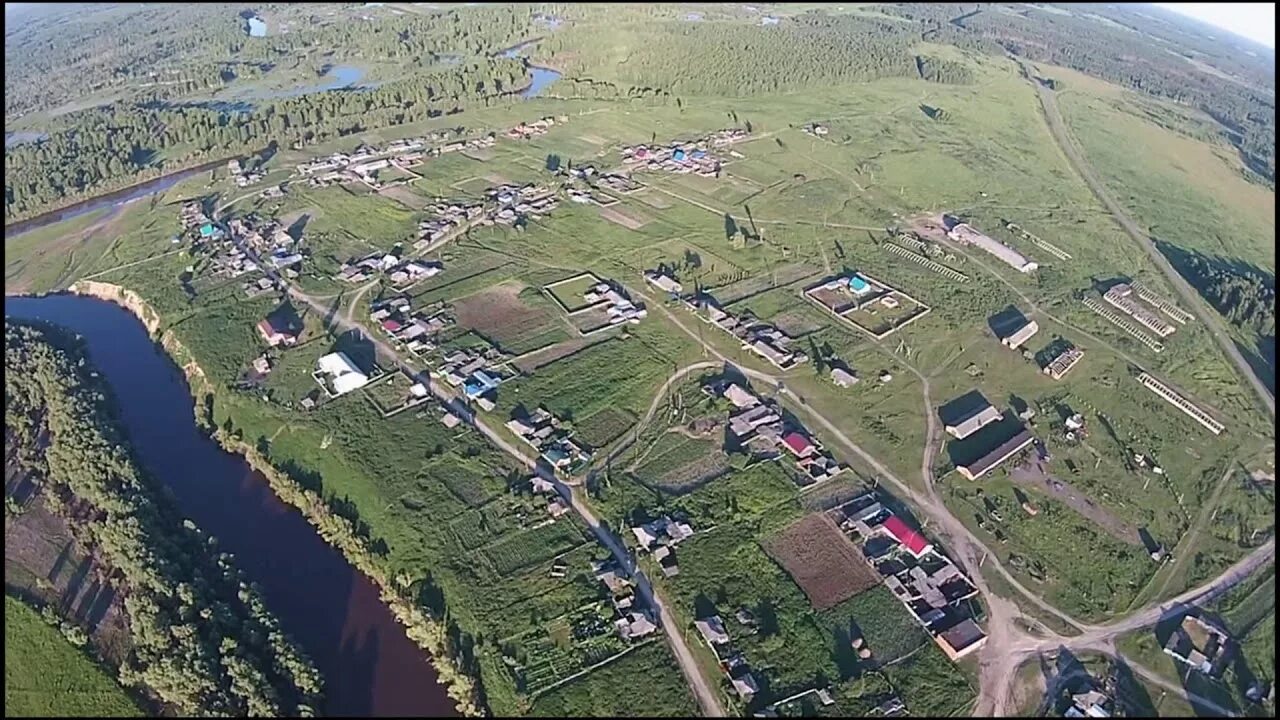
46, 676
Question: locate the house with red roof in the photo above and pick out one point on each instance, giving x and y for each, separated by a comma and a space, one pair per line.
914, 542
798, 444
391, 326
276, 333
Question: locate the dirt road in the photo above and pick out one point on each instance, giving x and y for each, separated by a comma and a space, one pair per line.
705, 693
1190, 298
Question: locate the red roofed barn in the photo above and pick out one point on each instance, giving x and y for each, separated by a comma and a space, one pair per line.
799, 445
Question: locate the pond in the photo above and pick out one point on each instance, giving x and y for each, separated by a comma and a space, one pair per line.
542, 77
19, 137
257, 27
333, 611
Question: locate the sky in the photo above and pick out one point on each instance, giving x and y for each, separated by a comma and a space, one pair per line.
1256, 21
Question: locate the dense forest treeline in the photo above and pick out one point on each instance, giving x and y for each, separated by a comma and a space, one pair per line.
201, 640
1121, 56
730, 59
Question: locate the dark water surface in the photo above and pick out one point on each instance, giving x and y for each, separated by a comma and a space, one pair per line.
333, 611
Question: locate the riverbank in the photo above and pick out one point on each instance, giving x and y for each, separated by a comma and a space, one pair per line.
425, 632
70, 206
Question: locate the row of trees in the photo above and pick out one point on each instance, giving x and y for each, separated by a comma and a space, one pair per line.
202, 642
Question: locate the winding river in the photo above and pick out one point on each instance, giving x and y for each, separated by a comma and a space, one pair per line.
370, 667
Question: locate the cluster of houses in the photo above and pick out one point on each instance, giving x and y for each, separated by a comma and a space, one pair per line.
524, 131
689, 157
732, 662
269, 241
363, 164
619, 307
931, 587
554, 442
685, 157
401, 273
244, 177
761, 338
512, 203
760, 426
415, 330
633, 621
444, 218
192, 215
659, 538
475, 371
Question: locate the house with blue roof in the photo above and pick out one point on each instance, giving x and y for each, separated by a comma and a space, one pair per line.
859, 285
678, 155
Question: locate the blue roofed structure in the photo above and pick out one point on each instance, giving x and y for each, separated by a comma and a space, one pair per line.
678, 155
479, 383
207, 230
858, 284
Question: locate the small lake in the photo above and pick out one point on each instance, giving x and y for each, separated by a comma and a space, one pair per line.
257, 27
542, 77
337, 77
333, 611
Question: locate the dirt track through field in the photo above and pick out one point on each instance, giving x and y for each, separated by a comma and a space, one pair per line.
1035, 476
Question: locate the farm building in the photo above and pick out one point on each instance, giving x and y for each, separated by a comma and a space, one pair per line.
798, 444
1181, 403
1062, 364
276, 333
1121, 297
1004, 451
343, 374
965, 234
973, 421
1018, 337
1200, 644
739, 397
843, 377
962, 639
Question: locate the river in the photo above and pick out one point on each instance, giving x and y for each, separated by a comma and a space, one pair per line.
333, 611
112, 199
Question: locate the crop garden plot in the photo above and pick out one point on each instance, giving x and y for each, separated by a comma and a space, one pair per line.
565, 645
569, 292
653, 199
732, 291
603, 427
629, 219
874, 307
683, 464
591, 319
822, 561
516, 318
521, 550
392, 394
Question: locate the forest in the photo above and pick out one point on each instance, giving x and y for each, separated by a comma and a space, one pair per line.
201, 640
101, 148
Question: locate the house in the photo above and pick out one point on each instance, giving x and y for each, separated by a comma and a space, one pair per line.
343, 373
745, 684
741, 398
1020, 336
859, 286
450, 420
973, 420
961, 639
261, 365
275, 333
1200, 644
663, 531
914, 542
541, 486
634, 625
798, 444
843, 377
1089, 704
557, 507
712, 630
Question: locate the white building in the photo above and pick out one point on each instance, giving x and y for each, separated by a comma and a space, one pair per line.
344, 374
